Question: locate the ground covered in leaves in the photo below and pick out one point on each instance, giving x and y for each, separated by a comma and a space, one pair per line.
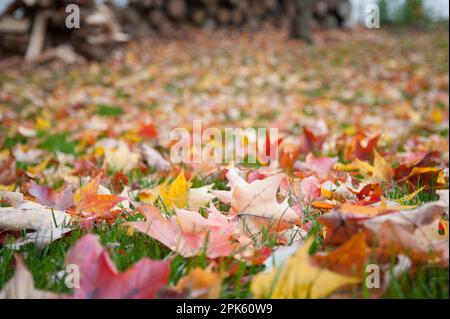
357, 206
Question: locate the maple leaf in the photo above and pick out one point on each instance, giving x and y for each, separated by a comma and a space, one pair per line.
188, 233
86, 199
177, 193
309, 189
347, 220
21, 285
363, 145
199, 197
349, 259
381, 168
422, 245
48, 223
299, 278
257, 206
99, 278
7, 169
148, 130
201, 283
319, 166
48, 197
314, 137
118, 156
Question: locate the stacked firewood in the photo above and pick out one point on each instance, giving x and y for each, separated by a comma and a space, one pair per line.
38, 29
147, 16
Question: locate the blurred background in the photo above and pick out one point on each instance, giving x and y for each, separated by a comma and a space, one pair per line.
33, 28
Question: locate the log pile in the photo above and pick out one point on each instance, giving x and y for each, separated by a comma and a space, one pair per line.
142, 17
37, 29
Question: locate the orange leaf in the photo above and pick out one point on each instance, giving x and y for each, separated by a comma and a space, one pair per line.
86, 199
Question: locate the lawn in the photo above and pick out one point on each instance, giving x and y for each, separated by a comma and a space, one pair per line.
362, 119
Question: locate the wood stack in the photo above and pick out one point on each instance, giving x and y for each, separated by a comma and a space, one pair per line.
32, 27
144, 16
36, 28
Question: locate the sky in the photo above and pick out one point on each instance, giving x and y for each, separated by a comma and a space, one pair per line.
439, 7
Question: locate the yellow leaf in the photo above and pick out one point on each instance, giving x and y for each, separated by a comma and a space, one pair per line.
441, 178
7, 188
364, 167
4, 155
40, 167
201, 283
132, 137
148, 196
299, 278
410, 197
84, 191
382, 169
437, 116
177, 195
42, 123
423, 170
99, 151
346, 167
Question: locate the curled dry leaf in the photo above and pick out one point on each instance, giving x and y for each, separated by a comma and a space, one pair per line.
48, 224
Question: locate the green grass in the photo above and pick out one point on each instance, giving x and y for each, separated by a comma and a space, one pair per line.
126, 250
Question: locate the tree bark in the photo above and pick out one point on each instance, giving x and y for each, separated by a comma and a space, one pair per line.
301, 20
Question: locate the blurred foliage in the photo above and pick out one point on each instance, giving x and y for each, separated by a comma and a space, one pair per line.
411, 13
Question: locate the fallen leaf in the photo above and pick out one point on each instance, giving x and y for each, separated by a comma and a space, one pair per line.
49, 224
21, 285
154, 159
201, 283
381, 168
199, 197
349, 259
99, 278
257, 206
87, 199
48, 197
299, 278
189, 237
177, 193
